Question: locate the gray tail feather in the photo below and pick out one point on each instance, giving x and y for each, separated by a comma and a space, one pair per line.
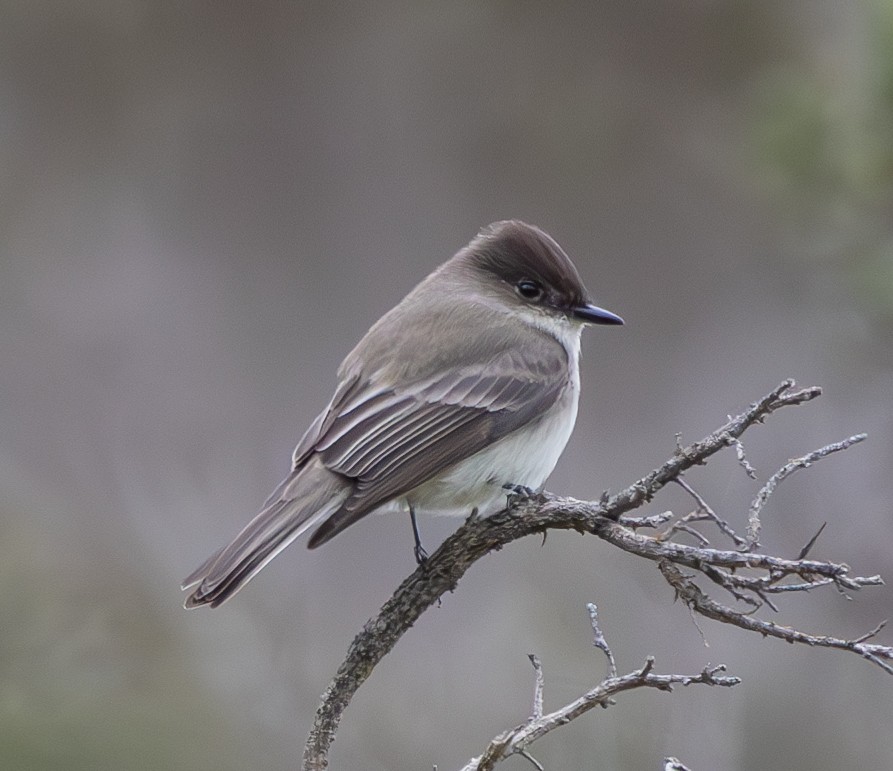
301, 500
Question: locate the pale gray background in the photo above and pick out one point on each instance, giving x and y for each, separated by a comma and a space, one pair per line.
204, 205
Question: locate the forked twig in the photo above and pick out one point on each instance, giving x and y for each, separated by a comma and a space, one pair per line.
753, 517
516, 740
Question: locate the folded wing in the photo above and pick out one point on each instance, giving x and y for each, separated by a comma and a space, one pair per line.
392, 440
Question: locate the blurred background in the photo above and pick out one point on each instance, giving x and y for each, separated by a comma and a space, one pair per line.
203, 206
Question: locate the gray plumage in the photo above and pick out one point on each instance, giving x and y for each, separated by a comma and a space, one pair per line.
400, 426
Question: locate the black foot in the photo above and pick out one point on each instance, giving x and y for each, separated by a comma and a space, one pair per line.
421, 556
527, 492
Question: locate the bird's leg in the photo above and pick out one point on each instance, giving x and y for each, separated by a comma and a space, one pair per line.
421, 556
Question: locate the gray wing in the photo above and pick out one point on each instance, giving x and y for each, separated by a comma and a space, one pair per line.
389, 441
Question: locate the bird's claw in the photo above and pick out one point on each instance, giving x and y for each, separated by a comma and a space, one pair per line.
527, 492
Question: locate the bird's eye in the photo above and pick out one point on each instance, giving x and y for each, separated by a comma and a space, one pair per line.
529, 290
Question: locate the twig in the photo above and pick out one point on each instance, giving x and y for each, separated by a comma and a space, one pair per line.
538, 688
703, 506
691, 594
651, 521
811, 542
753, 518
517, 739
536, 764
598, 639
672, 764
742, 459
696, 454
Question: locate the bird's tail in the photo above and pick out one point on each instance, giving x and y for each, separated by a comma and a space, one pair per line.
306, 496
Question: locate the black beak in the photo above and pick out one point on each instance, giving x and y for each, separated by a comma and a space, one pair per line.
592, 314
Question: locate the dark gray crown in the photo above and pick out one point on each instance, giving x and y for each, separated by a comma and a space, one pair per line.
512, 251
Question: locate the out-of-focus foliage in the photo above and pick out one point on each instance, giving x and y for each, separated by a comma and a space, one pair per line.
92, 677
824, 147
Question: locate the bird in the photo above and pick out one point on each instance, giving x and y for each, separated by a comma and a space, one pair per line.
466, 388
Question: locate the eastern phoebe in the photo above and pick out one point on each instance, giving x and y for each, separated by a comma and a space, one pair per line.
470, 385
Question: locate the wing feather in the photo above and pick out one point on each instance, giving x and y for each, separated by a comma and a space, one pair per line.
419, 424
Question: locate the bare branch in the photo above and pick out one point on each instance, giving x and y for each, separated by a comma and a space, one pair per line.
536, 764
651, 521
672, 764
691, 594
804, 552
695, 454
873, 633
538, 688
704, 507
753, 519
742, 459
517, 739
605, 518
598, 639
